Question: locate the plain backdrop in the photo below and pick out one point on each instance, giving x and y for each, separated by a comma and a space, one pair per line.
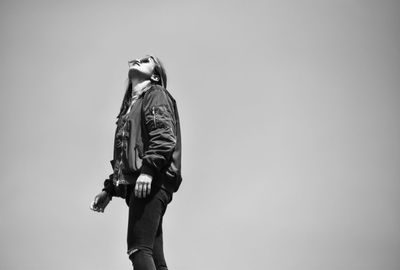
290, 126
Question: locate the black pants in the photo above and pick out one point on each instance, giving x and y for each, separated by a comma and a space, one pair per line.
145, 237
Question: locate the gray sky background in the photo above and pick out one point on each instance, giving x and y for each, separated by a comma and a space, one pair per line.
290, 121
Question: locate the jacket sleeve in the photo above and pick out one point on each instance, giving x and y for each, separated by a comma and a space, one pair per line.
160, 129
109, 186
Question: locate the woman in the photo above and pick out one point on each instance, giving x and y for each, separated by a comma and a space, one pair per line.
147, 160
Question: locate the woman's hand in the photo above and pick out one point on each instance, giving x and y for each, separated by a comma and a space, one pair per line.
100, 202
143, 185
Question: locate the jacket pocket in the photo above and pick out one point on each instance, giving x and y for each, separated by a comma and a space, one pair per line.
136, 159
160, 117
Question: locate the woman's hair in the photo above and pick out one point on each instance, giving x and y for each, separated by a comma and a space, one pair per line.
127, 97
159, 70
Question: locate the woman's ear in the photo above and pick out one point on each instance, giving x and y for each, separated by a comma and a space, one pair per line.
155, 78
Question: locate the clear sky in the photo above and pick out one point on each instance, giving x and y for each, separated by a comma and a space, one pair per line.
290, 126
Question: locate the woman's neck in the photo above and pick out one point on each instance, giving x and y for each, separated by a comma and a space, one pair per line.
138, 86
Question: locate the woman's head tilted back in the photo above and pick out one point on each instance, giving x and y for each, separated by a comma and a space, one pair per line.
149, 68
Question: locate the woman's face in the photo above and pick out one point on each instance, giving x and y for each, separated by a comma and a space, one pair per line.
141, 67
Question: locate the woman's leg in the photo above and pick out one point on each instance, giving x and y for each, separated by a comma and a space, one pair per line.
145, 230
158, 250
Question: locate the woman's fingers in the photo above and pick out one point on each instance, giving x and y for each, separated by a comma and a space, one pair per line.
142, 189
143, 186
94, 207
138, 189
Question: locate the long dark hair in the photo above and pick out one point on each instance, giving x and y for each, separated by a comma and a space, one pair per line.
159, 70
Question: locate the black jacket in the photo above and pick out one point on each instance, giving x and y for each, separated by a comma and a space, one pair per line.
154, 142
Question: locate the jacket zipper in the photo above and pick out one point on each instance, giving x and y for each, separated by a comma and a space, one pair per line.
154, 117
